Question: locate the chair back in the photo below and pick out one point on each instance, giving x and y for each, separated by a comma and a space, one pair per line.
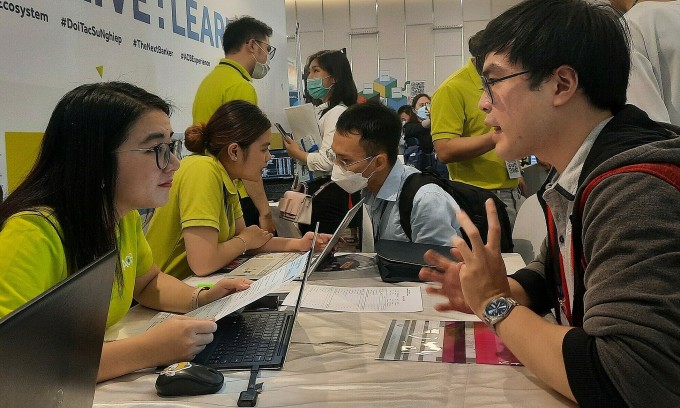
530, 229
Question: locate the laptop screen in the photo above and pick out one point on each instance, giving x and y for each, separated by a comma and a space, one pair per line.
337, 234
307, 271
280, 167
50, 347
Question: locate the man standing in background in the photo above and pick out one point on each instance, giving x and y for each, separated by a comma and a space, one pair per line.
247, 53
654, 84
463, 141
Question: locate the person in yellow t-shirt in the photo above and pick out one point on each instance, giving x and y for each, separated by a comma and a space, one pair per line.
247, 53
106, 152
201, 229
463, 141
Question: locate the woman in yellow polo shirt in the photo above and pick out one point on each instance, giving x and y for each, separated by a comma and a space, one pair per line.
201, 229
106, 152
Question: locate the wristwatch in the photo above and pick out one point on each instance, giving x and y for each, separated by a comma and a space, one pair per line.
498, 309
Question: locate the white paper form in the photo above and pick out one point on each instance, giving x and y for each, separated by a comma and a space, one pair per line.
367, 299
229, 304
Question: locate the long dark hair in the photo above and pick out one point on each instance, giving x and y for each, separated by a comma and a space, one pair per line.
74, 177
336, 64
234, 122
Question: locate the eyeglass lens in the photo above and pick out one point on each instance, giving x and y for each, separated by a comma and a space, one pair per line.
163, 152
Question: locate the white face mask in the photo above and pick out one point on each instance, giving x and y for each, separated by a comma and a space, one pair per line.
348, 180
260, 69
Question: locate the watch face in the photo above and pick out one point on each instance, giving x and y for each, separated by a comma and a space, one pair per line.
497, 307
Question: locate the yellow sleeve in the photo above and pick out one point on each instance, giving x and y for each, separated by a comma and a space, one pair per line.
32, 260
201, 196
447, 113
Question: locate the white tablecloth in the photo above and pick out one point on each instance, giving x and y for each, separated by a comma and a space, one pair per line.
331, 363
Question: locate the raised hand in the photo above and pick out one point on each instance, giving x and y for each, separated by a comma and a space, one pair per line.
482, 274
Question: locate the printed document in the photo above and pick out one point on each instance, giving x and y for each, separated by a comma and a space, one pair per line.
342, 299
229, 304
304, 126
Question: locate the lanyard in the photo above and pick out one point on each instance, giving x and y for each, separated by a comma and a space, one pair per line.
237, 70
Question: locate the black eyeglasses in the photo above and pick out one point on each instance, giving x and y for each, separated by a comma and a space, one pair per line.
163, 152
270, 51
487, 83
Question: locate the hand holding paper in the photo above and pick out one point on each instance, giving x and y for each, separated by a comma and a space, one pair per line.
227, 305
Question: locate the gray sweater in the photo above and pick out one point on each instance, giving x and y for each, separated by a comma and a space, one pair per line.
628, 350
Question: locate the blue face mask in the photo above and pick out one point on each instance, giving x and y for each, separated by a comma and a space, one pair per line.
423, 112
316, 89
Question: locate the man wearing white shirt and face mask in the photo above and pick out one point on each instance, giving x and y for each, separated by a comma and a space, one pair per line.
365, 158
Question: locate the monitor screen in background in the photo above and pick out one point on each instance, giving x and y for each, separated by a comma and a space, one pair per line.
279, 167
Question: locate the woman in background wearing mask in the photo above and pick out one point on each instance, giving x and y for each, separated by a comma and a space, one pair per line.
420, 128
407, 115
330, 82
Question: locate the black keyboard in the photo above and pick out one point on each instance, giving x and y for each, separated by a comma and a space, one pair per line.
248, 338
275, 190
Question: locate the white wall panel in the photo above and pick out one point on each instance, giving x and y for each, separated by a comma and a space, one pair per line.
336, 41
448, 12
397, 68
309, 15
418, 11
499, 6
362, 14
448, 42
364, 58
470, 28
291, 17
390, 25
309, 44
336, 24
419, 54
445, 66
476, 10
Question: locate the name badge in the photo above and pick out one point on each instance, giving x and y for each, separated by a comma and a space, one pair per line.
514, 171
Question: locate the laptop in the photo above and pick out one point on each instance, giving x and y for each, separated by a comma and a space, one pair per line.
51, 346
254, 338
278, 176
262, 264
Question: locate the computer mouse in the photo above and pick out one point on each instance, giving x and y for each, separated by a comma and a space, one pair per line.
188, 379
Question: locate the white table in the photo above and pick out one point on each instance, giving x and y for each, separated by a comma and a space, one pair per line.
331, 362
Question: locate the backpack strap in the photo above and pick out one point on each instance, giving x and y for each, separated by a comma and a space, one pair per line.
670, 173
412, 184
